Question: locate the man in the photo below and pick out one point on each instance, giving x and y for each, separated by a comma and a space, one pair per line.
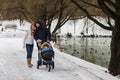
41, 34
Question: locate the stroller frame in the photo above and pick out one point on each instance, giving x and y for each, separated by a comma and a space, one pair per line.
42, 59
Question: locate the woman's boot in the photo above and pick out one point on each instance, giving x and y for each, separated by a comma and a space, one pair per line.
29, 63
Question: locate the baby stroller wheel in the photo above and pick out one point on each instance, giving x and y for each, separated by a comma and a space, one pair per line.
39, 63
53, 65
49, 67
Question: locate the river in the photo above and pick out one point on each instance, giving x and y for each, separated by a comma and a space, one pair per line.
95, 50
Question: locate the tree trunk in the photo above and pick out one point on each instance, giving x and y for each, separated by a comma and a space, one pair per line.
56, 28
114, 66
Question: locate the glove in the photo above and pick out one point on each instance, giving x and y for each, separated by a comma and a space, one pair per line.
39, 41
48, 41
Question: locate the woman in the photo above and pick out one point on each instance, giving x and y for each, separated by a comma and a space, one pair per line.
29, 43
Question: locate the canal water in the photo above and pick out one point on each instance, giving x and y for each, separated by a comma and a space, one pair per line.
94, 50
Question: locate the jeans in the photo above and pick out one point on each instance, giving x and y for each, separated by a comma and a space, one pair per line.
29, 49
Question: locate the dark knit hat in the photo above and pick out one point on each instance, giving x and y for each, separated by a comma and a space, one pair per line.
38, 22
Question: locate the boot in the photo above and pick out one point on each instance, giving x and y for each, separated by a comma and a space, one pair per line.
29, 63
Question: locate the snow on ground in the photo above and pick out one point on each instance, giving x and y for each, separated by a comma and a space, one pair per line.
12, 34
13, 62
13, 65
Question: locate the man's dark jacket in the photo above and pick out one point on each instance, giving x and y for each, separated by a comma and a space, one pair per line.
42, 33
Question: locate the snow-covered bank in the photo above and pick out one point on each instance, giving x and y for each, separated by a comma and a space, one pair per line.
90, 67
67, 67
12, 34
75, 28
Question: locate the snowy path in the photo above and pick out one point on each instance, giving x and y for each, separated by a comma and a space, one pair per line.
13, 65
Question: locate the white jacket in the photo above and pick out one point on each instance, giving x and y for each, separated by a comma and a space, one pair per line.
28, 39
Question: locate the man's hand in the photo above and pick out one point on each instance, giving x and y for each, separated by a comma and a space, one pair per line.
39, 41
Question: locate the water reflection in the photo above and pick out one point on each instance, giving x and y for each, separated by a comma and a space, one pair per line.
95, 50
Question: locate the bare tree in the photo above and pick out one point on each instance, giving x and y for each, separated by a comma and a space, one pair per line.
111, 8
62, 18
47, 11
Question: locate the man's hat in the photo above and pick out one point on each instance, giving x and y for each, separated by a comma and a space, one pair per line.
37, 22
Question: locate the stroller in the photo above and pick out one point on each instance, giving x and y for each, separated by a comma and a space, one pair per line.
47, 56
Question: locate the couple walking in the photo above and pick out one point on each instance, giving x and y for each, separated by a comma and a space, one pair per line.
39, 33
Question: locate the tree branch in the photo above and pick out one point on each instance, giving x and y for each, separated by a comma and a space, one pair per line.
90, 4
107, 10
112, 4
91, 18
109, 22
